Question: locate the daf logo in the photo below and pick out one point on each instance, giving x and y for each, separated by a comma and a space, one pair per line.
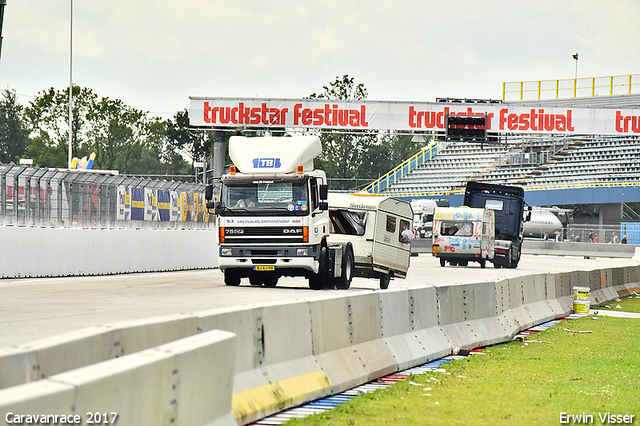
292, 231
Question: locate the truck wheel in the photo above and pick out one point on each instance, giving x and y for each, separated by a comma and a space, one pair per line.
270, 281
231, 277
385, 279
483, 263
442, 262
316, 281
255, 281
344, 280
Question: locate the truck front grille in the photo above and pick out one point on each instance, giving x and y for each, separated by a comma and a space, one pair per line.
267, 234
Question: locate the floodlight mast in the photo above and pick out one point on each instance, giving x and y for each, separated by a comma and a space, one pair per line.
3, 3
70, 82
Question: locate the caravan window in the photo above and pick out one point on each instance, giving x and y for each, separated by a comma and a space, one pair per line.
391, 224
404, 224
347, 222
459, 229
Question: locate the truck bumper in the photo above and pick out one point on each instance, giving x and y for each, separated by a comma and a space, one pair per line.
284, 259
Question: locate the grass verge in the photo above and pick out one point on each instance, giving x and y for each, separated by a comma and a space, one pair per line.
587, 373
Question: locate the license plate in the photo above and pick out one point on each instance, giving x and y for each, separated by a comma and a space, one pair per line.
435, 248
264, 268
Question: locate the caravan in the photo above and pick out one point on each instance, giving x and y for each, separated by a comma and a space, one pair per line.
463, 234
374, 226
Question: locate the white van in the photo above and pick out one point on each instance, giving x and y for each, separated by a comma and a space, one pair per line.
373, 225
463, 234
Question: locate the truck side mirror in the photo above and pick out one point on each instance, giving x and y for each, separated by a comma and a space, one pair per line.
215, 205
208, 193
528, 215
323, 205
324, 192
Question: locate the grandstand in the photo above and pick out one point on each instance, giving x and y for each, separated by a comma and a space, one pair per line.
567, 170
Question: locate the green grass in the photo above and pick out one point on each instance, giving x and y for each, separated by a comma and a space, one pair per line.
517, 383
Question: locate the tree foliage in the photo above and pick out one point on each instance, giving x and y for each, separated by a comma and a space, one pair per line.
129, 140
356, 156
344, 152
14, 139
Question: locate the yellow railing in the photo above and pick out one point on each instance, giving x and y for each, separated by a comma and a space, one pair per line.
527, 188
571, 87
379, 185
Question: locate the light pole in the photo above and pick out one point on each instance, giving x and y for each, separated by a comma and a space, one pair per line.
3, 3
70, 82
576, 58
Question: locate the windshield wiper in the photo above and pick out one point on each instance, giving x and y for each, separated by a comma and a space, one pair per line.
241, 209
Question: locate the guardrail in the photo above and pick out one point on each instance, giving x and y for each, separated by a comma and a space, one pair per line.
571, 87
43, 197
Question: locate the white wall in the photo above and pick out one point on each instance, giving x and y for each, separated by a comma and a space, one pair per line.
56, 252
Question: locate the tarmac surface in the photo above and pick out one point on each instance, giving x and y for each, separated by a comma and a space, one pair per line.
32, 309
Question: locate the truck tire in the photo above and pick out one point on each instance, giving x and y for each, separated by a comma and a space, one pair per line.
316, 281
255, 280
443, 262
231, 277
344, 280
385, 279
270, 280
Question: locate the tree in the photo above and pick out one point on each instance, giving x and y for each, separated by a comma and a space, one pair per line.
123, 138
14, 138
343, 153
194, 142
47, 121
390, 151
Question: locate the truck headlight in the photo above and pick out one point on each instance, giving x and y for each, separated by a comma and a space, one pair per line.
226, 251
302, 252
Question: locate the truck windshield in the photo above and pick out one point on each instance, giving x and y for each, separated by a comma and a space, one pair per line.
262, 198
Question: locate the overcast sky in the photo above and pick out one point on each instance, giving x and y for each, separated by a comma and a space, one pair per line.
154, 54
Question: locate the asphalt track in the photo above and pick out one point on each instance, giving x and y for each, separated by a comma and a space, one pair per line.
32, 309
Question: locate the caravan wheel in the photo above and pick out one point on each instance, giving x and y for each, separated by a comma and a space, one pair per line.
385, 279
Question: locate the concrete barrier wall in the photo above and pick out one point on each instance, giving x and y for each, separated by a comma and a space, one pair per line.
56, 252
167, 385
293, 352
564, 248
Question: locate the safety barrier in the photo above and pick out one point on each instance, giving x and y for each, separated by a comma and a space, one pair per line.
571, 87
55, 252
165, 385
43, 197
297, 351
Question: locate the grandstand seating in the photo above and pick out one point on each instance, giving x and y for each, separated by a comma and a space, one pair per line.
527, 162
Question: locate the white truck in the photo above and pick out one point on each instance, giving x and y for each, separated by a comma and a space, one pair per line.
373, 225
463, 234
273, 216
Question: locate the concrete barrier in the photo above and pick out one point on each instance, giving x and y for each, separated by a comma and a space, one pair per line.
565, 248
293, 352
57, 252
166, 385
46, 357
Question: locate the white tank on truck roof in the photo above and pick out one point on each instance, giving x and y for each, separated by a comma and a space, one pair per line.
274, 155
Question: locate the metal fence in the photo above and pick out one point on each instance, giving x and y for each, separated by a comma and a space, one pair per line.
43, 197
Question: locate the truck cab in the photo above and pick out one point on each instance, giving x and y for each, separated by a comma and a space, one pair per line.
509, 206
273, 218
